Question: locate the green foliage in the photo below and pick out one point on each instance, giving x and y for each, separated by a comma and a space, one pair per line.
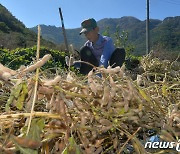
106, 32
25, 56
121, 38
122, 41
132, 62
72, 147
10, 21
4, 27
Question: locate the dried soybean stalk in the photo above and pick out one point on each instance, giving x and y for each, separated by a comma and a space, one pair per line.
70, 77
109, 70
130, 137
98, 150
68, 85
83, 119
105, 122
130, 91
72, 94
6, 69
33, 67
91, 82
85, 91
53, 82
26, 142
5, 75
35, 114
37, 64
45, 90
50, 104
79, 105
7, 150
106, 128
106, 99
113, 87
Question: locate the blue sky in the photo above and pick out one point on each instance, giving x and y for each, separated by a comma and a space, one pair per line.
34, 12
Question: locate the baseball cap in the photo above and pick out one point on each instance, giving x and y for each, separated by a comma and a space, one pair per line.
87, 25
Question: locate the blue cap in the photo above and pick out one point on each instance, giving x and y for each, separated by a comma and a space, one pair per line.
88, 25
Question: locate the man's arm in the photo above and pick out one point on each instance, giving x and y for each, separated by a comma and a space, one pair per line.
107, 52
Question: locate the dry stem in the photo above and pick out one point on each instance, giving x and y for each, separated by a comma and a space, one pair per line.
36, 83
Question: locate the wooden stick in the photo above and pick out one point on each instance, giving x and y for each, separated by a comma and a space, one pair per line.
129, 138
34, 114
36, 83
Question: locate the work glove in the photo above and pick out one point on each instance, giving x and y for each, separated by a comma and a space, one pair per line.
69, 61
74, 56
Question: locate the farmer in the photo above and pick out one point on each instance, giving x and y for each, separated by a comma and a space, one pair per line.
98, 50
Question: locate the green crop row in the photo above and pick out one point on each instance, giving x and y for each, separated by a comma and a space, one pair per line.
26, 56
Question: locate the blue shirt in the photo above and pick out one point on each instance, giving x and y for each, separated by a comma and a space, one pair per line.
102, 49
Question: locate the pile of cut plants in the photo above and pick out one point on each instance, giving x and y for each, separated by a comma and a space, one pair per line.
103, 112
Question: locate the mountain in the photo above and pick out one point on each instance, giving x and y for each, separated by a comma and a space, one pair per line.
164, 34
167, 34
55, 35
13, 32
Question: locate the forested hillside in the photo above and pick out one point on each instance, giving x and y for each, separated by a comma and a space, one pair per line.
167, 34
13, 32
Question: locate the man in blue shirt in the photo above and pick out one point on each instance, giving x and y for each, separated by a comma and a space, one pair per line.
98, 50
